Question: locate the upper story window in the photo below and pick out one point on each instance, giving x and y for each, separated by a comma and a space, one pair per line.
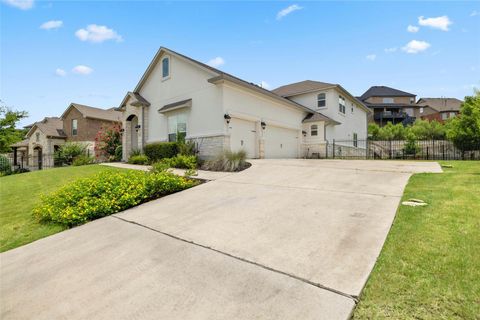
321, 100
74, 127
387, 100
314, 130
421, 110
177, 127
341, 104
165, 67
37, 136
412, 100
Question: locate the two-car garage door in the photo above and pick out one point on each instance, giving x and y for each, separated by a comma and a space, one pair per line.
279, 142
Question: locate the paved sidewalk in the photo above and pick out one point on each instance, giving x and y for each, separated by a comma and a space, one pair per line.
201, 174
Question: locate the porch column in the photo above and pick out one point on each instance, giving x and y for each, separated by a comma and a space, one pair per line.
14, 156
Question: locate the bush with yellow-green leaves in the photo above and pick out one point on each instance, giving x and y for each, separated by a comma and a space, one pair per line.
106, 193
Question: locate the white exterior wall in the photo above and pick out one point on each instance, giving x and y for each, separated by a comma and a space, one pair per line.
245, 104
350, 122
186, 81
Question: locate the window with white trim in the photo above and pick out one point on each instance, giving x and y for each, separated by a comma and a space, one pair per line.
314, 130
341, 104
444, 115
165, 67
355, 140
387, 100
37, 136
74, 127
321, 100
177, 127
421, 109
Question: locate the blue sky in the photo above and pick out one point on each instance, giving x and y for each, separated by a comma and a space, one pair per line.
54, 53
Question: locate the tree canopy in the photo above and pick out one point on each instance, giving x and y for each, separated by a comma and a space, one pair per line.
464, 130
9, 134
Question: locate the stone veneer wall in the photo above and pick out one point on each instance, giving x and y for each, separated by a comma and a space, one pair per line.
314, 150
211, 147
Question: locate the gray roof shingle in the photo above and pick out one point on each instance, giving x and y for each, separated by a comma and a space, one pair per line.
384, 91
441, 104
301, 87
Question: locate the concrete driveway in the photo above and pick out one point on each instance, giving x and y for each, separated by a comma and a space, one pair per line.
285, 239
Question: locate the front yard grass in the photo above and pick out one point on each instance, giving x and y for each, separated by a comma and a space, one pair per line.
429, 267
20, 193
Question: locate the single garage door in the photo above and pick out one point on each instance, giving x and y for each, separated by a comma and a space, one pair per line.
243, 136
281, 143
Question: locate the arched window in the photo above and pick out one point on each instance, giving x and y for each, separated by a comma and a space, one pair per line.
314, 130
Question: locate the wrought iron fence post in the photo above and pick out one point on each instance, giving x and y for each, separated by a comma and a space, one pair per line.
390, 150
333, 152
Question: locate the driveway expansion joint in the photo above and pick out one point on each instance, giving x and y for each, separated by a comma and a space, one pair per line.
306, 281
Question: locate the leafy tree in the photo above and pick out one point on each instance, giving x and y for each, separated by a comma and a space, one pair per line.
427, 130
373, 131
411, 147
392, 132
464, 130
108, 141
8, 133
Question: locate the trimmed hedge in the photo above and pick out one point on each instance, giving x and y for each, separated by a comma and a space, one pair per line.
106, 193
160, 150
138, 159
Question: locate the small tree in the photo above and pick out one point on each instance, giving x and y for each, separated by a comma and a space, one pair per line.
464, 130
9, 134
373, 131
107, 142
411, 146
427, 130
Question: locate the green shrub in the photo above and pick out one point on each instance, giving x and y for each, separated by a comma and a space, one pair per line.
136, 152
5, 167
228, 161
160, 150
138, 159
179, 161
83, 160
187, 148
118, 153
69, 151
104, 194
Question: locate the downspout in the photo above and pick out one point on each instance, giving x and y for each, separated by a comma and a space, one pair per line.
143, 128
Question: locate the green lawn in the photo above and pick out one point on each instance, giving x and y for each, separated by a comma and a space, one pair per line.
429, 267
21, 192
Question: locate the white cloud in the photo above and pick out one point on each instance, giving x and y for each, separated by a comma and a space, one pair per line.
52, 24
371, 57
60, 72
390, 50
284, 12
81, 69
412, 29
216, 62
416, 46
265, 85
474, 13
20, 4
441, 23
95, 33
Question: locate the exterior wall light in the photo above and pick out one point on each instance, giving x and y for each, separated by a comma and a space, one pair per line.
304, 133
263, 124
227, 118
137, 127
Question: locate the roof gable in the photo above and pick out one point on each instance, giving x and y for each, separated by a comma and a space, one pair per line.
441, 104
52, 127
93, 113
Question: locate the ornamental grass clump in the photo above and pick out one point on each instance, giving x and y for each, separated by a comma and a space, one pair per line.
104, 194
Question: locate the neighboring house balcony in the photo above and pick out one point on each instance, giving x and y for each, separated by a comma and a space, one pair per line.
392, 116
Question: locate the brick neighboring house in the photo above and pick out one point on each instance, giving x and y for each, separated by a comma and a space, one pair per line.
79, 123
439, 109
390, 105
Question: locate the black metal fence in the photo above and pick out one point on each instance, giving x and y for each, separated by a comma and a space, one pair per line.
399, 149
25, 162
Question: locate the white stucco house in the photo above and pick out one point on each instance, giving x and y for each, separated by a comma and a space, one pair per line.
179, 95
